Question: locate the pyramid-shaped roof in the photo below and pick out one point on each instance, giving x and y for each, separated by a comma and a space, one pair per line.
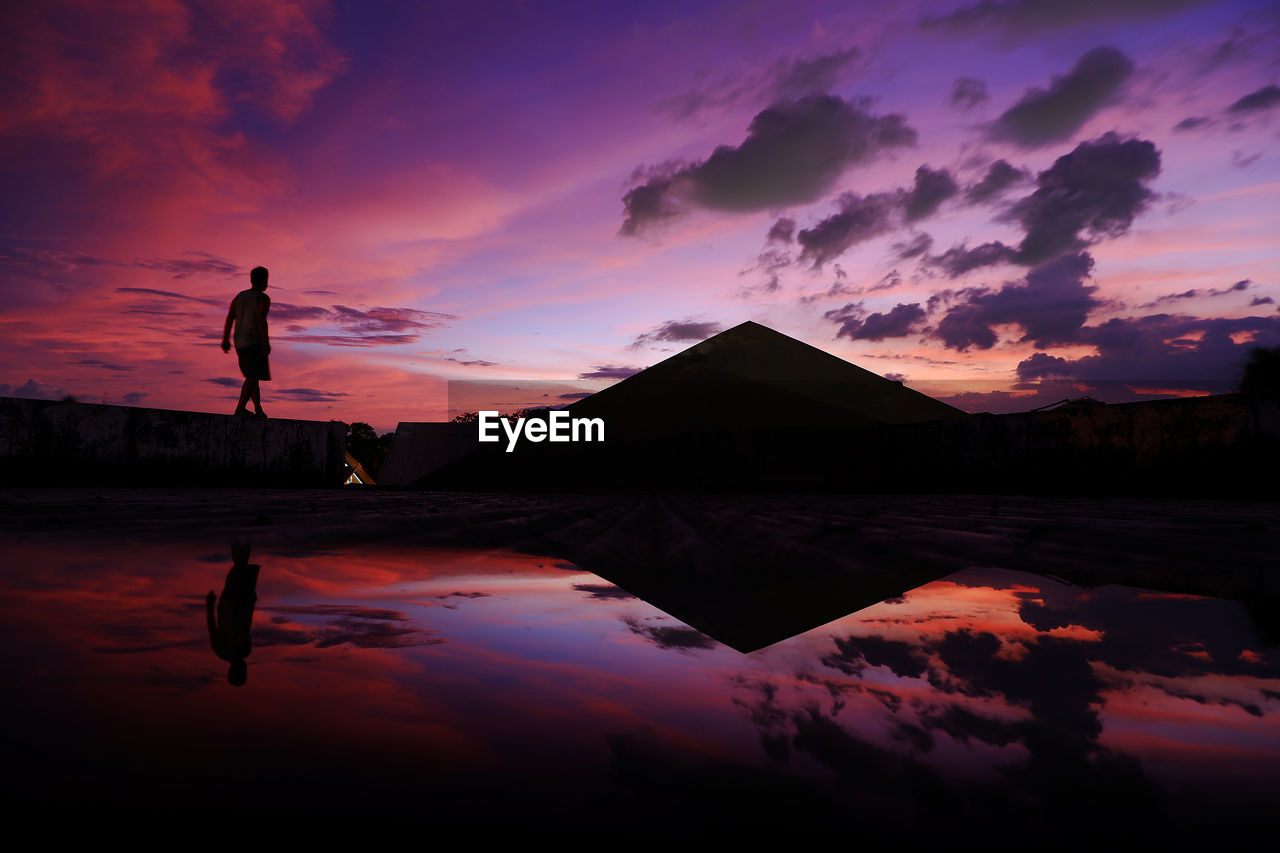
751, 376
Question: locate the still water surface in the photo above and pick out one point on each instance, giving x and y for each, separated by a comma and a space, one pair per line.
515, 690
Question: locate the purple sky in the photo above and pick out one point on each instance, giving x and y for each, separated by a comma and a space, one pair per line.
970, 196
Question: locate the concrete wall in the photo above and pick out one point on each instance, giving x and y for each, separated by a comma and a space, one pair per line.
43, 442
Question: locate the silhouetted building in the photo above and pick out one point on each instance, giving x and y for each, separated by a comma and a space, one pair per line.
747, 408
751, 377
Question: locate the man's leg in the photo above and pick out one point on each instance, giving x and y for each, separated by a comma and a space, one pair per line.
256, 395
250, 386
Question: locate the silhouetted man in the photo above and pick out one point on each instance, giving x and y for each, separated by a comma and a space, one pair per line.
229, 629
249, 315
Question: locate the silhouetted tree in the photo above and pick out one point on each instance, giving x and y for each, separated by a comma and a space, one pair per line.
472, 417
368, 447
1262, 373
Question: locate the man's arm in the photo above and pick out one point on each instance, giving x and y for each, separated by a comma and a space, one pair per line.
226, 329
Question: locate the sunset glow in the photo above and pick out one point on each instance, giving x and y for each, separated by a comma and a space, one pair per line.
975, 193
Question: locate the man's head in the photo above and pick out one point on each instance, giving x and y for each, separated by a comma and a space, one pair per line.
258, 278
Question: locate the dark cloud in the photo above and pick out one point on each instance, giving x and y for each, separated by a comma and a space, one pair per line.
477, 362
855, 760
769, 717
1149, 633
840, 289
771, 261
168, 294
378, 320
577, 395
782, 231
50, 258
647, 205
931, 189
1162, 347
677, 637
610, 371
856, 325
855, 654
1191, 123
1263, 99
786, 79
1091, 193
675, 331
379, 326
279, 635
350, 624
1239, 286
1242, 43
350, 610
795, 78
160, 312
999, 177
1029, 17
226, 382
282, 311
1041, 365
444, 599
141, 648
916, 247
1261, 300
959, 260
311, 395
1050, 304
105, 365
370, 635
968, 92
1183, 693
847, 317
964, 725
965, 326
836, 290
42, 261
200, 263
355, 340
603, 590
1098, 188
1243, 161
1045, 116
793, 153
859, 218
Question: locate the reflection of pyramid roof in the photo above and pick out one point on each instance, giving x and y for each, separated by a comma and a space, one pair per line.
751, 376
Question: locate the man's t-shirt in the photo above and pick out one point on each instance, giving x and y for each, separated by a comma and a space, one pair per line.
245, 307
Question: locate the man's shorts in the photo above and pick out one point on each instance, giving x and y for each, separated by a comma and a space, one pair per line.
253, 362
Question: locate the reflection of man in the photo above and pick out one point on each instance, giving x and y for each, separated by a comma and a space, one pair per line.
229, 632
248, 313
